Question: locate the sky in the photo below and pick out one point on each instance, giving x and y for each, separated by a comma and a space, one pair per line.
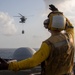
36, 12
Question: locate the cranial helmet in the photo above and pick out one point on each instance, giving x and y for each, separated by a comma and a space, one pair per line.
55, 21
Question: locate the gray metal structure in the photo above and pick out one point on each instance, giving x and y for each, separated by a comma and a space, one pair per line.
23, 53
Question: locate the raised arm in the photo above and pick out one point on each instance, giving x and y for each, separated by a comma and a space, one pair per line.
69, 28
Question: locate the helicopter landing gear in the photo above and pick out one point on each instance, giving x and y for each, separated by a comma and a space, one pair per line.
22, 31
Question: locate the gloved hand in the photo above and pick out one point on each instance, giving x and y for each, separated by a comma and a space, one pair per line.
53, 8
3, 64
13, 66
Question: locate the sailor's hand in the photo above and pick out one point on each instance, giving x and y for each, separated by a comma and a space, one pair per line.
3, 64
13, 66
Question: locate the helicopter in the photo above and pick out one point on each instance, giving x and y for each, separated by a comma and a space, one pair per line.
22, 20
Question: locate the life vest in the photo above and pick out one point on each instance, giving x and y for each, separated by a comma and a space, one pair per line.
60, 60
57, 21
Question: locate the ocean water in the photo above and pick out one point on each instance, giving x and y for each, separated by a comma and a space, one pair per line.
7, 53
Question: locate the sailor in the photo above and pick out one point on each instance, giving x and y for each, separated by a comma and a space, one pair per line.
57, 52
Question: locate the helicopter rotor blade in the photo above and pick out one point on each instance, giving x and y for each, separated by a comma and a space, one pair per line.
20, 14
16, 16
30, 15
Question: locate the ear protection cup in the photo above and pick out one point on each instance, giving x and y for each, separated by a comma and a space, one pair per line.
46, 23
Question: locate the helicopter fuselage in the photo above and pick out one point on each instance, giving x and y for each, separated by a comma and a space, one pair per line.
23, 19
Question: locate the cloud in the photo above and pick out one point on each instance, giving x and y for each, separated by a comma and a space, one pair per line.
7, 26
